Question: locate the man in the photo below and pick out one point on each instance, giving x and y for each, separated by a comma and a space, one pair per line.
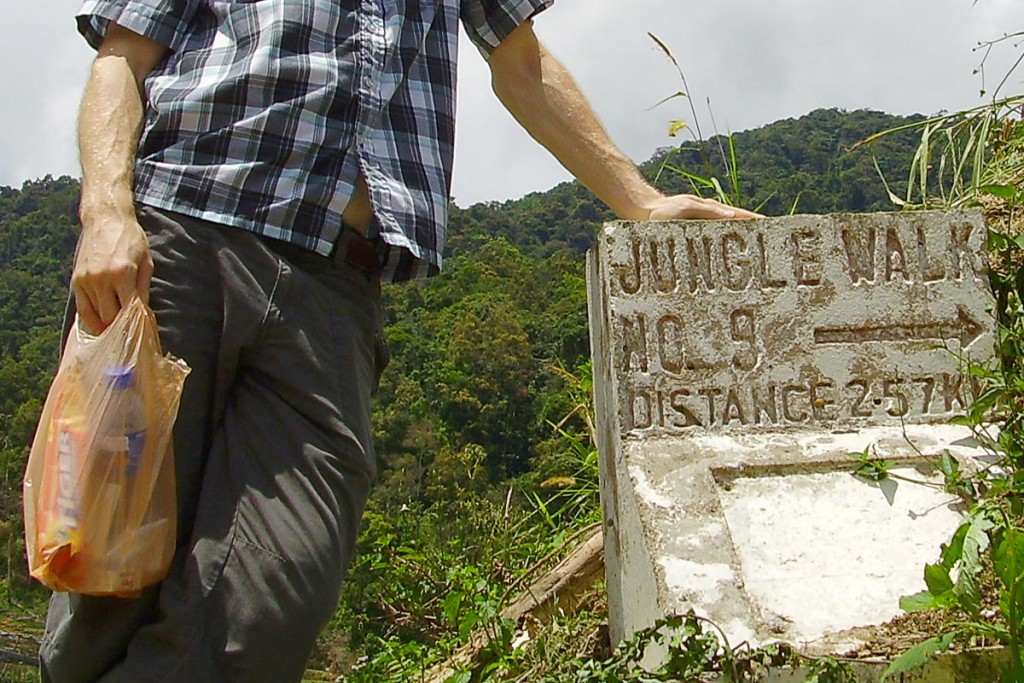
254, 169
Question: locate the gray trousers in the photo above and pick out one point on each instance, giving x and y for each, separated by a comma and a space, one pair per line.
273, 456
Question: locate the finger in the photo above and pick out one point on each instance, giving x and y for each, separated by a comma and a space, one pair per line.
127, 289
744, 213
145, 277
719, 210
722, 211
88, 318
107, 304
708, 209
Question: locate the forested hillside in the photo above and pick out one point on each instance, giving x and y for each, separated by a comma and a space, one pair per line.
38, 231
797, 163
467, 407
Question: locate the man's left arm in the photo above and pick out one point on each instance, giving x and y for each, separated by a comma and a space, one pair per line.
542, 96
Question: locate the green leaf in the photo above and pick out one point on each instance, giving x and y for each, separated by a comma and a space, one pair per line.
1007, 192
951, 553
460, 677
451, 604
967, 590
722, 197
892, 197
468, 623
994, 631
792, 208
1009, 558
918, 602
697, 180
948, 465
961, 420
936, 577
918, 655
873, 470
997, 241
670, 97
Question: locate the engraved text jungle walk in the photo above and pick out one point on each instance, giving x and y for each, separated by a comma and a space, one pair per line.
738, 260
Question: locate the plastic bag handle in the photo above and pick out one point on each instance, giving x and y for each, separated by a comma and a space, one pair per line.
83, 335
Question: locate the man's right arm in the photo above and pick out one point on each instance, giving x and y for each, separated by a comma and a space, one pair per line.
113, 261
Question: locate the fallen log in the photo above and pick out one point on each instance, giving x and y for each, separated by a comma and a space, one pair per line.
556, 593
6, 656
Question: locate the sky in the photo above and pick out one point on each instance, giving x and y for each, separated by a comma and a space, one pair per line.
747, 63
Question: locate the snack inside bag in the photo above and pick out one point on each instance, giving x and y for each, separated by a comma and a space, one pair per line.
99, 489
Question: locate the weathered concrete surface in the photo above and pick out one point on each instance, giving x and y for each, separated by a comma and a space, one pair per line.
771, 537
737, 366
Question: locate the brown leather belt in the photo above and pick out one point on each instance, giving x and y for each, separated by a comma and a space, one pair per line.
357, 251
350, 249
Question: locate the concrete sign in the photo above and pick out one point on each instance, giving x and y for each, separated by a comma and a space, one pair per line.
794, 321
737, 366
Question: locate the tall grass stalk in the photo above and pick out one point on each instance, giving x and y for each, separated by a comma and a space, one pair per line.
707, 184
960, 153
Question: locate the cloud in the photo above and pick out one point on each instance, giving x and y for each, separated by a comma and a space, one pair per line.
755, 61
44, 69
746, 61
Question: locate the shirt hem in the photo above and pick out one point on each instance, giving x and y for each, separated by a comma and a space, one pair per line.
429, 265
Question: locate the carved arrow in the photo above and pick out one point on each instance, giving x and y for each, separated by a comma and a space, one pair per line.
965, 328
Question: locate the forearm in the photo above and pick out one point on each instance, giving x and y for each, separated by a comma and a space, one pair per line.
113, 262
109, 123
543, 97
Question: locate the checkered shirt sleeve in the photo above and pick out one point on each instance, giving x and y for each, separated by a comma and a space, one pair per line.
165, 21
488, 22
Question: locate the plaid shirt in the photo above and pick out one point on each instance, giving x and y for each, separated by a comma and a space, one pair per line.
266, 111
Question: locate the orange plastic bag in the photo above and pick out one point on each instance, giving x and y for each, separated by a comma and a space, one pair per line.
99, 490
